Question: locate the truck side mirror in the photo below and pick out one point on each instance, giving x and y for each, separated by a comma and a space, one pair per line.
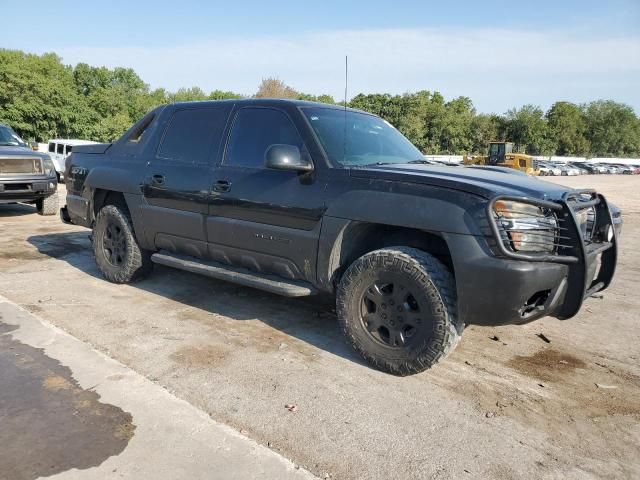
287, 157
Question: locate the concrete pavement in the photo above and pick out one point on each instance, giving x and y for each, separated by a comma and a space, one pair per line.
70, 412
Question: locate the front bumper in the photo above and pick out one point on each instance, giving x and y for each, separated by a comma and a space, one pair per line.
26, 188
496, 286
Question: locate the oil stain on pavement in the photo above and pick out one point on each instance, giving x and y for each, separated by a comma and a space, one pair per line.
48, 423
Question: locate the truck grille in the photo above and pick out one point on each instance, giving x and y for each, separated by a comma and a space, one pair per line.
583, 204
20, 165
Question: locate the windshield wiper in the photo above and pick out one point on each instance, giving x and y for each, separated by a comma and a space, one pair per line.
375, 164
421, 162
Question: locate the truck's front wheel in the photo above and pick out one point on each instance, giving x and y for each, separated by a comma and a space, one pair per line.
397, 307
48, 205
117, 252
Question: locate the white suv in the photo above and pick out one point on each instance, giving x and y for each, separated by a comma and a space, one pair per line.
59, 150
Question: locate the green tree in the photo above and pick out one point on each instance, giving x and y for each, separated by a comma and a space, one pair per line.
313, 98
613, 129
527, 128
43, 98
456, 136
485, 129
37, 95
567, 128
222, 95
192, 94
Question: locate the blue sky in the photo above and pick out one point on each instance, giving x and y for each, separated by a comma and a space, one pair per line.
501, 54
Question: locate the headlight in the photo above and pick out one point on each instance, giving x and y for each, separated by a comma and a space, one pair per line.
49, 167
528, 228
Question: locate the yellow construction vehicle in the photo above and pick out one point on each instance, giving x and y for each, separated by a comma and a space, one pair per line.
501, 155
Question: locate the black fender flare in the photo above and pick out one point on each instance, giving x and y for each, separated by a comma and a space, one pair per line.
437, 211
121, 181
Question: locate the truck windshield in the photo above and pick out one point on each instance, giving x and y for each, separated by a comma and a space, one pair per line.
9, 138
353, 139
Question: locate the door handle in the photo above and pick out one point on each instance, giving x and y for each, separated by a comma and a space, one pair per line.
222, 186
158, 179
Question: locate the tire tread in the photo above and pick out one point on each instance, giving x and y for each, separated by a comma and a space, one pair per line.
138, 260
425, 268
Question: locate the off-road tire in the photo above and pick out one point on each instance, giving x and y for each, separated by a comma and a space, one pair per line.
135, 261
48, 205
430, 280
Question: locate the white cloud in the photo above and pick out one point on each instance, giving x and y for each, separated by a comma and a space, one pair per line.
498, 69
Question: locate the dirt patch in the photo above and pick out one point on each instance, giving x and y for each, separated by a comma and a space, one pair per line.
21, 254
33, 308
546, 364
201, 355
56, 382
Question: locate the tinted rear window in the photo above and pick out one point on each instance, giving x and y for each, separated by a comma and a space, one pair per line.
193, 135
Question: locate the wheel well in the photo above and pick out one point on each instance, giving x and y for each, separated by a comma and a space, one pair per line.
103, 197
361, 238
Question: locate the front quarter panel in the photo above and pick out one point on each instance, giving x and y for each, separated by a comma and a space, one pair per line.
353, 201
424, 207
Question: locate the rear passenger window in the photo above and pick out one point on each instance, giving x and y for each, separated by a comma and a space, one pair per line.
138, 132
52, 148
255, 130
60, 148
193, 134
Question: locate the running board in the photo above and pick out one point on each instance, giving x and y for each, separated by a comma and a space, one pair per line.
241, 276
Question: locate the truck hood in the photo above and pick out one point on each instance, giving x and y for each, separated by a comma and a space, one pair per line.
13, 151
486, 182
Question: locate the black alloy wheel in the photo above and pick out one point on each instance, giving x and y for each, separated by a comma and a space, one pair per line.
392, 315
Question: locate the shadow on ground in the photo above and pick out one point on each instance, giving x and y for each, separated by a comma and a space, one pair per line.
16, 209
311, 320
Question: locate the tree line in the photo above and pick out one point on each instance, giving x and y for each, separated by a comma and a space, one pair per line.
42, 98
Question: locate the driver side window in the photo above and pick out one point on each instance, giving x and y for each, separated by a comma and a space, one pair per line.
254, 131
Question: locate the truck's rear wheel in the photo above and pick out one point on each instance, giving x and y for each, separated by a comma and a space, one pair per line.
48, 205
115, 247
397, 307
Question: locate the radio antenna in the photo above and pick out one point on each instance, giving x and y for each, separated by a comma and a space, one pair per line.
346, 85
346, 79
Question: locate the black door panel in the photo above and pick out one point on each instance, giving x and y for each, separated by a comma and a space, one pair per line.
265, 219
271, 197
177, 187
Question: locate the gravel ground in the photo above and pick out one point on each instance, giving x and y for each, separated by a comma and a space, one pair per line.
505, 404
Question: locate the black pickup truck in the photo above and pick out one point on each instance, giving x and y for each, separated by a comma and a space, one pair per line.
300, 198
26, 176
